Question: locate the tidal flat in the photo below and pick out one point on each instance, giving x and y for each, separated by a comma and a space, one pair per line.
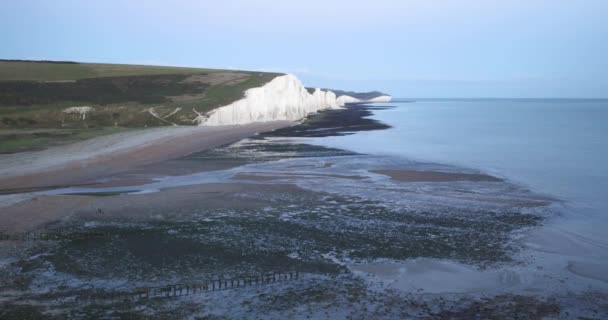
364, 245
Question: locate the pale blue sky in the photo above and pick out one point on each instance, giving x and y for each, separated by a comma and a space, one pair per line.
415, 48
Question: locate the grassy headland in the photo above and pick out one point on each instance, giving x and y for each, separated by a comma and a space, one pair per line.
81, 100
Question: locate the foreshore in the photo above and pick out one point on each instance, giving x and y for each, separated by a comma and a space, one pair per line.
379, 229
83, 162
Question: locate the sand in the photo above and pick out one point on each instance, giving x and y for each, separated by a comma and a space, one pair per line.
434, 176
260, 176
36, 212
85, 161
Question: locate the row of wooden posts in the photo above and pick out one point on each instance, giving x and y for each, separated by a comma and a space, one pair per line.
50, 235
180, 290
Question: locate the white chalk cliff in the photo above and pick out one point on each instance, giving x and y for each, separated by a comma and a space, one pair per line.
384, 98
283, 98
343, 100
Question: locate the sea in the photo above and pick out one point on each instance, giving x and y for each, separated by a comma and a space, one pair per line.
557, 147
554, 147
539, 231
458, 237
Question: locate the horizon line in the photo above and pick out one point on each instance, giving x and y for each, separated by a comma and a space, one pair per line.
496, 98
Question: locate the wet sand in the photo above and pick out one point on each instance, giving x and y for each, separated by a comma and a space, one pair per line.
36, 212
442, 249
256, 176
434, 176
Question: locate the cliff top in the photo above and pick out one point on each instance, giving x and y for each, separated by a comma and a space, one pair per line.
48, 102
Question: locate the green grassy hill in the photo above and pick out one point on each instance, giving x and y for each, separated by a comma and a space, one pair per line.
66, 70
54, 96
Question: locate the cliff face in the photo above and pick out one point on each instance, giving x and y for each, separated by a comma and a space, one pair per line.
343, 100
283, 98
383, 98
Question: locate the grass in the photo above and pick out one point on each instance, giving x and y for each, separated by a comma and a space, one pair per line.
119, 101
33, 71
149, 89
19, 145
34, 95
20, 141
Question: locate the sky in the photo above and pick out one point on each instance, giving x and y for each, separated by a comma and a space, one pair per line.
408, 48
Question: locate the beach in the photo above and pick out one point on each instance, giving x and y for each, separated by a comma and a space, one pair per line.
82, 162
432, 160
368, 233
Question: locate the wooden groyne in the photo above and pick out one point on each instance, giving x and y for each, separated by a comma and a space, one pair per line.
53, 235
181, 290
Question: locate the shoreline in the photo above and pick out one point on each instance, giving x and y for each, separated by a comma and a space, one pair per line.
82, 162
434, 176
462, 236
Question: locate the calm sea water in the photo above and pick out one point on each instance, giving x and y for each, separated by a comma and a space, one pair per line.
554, 147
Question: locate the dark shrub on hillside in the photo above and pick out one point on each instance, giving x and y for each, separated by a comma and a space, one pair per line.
143, 89
39, 61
